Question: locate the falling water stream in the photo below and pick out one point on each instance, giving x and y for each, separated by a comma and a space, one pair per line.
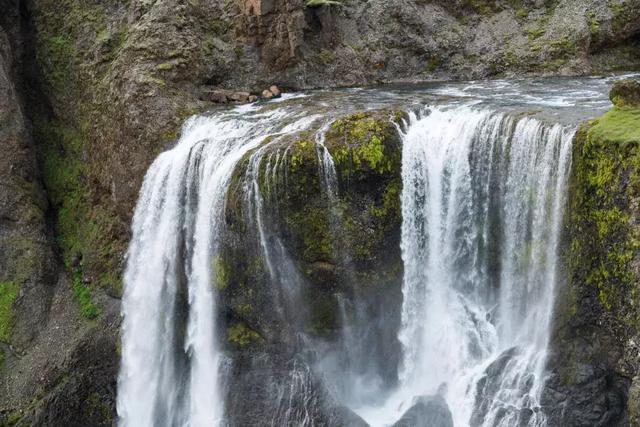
484, 181
482, 208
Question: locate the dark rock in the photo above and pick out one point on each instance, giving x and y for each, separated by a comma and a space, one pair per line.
427, 411
625, 93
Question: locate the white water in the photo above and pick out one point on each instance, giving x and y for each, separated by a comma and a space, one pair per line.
170, 364
482, 207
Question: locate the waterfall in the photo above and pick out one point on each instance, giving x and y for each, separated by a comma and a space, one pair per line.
482, 204
482, 210
170, 370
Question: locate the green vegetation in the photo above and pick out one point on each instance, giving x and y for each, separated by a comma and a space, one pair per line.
83, 229
8, 294
606, 178
619, 126
363, 139
240, 335
535, 33
620, 12
88, 309
594, 23
221, 273
326, 56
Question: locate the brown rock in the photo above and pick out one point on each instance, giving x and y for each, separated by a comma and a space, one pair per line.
625, 93
217, 95
239, 96
253, 98
267, 94
275, 91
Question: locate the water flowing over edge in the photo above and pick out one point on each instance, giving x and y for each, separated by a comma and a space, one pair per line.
454, 160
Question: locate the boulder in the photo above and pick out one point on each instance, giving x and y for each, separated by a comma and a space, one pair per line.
239, 96
625, 93
218, 96
267, 94
275, 91
427, 411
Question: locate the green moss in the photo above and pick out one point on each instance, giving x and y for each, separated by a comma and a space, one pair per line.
312, 224
594, 23
8, 294
620, 12
562, 47
618, 126
83, 230
95, 406
165, 66
326, 56
522, 13
605, 171
88, 309
360, 143
535, 33
553, 64
221, 273
240, 335
390, 201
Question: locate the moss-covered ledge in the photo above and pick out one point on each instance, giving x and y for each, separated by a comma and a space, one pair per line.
597, 324
343, 240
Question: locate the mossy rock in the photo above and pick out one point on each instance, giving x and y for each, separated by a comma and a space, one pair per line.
605, 181
625, 93
366, 143
342, 241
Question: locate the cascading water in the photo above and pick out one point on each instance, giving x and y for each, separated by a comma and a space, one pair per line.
482, 207
170, 357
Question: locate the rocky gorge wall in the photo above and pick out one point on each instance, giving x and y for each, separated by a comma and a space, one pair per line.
95, 90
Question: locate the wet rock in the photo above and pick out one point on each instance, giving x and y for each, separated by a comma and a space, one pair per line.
625, 93
223, 96
267, 94
217, 96
275, 91
239, 97
427, 411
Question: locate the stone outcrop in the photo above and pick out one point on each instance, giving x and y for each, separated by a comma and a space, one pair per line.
596, 342
427, 411
325, 247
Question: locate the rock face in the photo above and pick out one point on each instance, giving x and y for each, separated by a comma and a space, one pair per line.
427, 411
93, 91
326, 248
625, 93
596, 357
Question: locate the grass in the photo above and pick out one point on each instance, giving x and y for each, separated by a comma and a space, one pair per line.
88, 309
619, 125
8, 294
